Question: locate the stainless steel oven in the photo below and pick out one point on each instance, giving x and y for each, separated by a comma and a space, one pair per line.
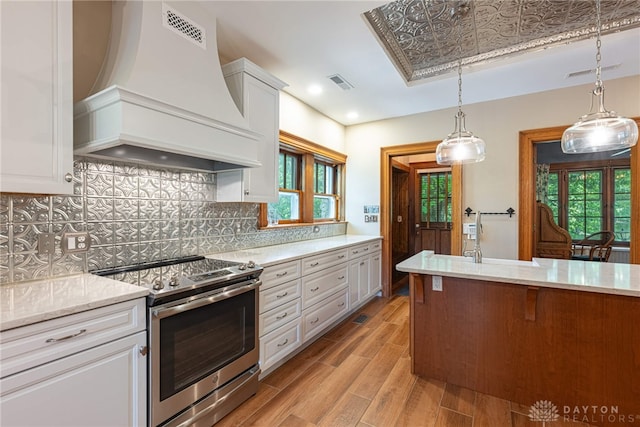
202, 337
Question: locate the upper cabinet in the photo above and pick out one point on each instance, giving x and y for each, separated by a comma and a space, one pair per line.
36, 88
256, 93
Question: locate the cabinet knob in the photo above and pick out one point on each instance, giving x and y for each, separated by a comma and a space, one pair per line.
68, 177
143, 350
246, 192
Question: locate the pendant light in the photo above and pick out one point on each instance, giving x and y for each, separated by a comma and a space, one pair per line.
460, 146
599, 130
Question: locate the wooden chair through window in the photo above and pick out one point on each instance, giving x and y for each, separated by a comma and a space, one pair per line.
551, 240
594, 247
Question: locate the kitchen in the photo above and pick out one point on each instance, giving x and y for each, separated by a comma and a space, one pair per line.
499, 121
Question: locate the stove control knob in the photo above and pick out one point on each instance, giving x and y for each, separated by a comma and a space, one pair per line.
242, 267
251, 264
174, 281
157, 285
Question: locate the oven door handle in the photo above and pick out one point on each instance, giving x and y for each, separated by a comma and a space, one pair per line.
161, 313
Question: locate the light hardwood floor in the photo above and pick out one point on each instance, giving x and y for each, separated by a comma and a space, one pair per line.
360, 375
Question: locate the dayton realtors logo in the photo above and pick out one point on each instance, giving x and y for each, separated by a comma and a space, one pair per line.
545, 411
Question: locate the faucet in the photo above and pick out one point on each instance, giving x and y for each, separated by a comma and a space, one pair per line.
476, 253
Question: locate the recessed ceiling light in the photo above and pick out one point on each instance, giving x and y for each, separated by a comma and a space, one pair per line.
315, 89
352, 115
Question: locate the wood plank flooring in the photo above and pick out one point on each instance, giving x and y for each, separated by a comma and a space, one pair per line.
360, 375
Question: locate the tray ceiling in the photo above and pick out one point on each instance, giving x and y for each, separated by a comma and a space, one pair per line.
420, 36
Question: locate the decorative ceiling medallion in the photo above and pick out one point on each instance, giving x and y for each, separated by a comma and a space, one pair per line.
418, 34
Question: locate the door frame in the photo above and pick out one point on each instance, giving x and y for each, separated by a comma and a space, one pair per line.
386, 154
527, 202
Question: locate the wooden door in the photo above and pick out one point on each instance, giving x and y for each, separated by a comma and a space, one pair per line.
430, 207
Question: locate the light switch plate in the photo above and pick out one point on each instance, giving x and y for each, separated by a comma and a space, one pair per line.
46, 243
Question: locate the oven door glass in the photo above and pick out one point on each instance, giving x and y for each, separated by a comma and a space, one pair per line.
197, 342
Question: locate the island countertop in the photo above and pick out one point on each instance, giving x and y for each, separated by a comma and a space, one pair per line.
589, 276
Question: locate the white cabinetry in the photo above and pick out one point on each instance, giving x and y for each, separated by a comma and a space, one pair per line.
256, 93
86, 369
36, 123
300, 299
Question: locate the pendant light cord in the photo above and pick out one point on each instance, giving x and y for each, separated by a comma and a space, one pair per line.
598, 45
458, 17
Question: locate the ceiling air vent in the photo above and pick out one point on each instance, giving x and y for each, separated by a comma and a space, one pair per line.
341, 82
592, 71
183, 26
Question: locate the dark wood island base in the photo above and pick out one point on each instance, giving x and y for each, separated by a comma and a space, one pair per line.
578, 350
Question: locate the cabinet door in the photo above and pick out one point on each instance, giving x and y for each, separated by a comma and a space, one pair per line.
102, 386
358, 281
256, 93
375, 265
36, 123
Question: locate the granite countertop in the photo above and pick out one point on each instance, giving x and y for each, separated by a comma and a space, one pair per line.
270, 255
24, 303
601, 277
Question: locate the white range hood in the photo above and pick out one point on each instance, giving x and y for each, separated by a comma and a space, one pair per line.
161, 98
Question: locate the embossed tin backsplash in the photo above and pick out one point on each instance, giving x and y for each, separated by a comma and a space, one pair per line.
133, 214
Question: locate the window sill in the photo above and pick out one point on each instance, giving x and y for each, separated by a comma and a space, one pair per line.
299, 224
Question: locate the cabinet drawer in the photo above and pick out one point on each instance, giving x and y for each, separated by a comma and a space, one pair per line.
277, 295
33, 345
280, 315
375, 246
322, 261
358, 251
318, 286
280, 273
279, 343
316, 319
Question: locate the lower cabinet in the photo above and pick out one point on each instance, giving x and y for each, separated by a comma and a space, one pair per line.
301, 299
84, 369
105, 385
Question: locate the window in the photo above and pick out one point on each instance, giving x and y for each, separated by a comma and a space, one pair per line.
589, 197
287, 209
311, 182
324, 197
435, 197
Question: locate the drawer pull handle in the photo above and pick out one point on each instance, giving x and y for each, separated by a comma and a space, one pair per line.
284, 343
313, 264
356, 252
341, 304
283, 295
366, 249
315, 321
315, 289
376, 258
281, 317
362, 263
82, 331
340, 256
341, 277
281, 274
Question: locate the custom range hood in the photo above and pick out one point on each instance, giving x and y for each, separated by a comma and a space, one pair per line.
161, 98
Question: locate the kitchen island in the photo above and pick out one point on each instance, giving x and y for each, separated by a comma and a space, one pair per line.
530, 331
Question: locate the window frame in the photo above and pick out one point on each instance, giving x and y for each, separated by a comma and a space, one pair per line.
310, 153
607, 169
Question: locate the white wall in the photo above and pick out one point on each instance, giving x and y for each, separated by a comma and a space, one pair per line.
301, 120
488, 186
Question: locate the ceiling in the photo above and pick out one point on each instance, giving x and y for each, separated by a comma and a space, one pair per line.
384, 51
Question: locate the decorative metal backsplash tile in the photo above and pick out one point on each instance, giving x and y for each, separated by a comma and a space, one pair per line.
420, 37
133, 214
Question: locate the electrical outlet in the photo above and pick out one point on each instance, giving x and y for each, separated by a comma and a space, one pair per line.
75, 242
436, 283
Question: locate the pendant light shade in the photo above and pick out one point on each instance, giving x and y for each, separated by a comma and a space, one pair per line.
460, 146
600, 130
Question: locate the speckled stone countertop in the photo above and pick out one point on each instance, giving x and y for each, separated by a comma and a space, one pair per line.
24, 303
270, 255
601, 277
